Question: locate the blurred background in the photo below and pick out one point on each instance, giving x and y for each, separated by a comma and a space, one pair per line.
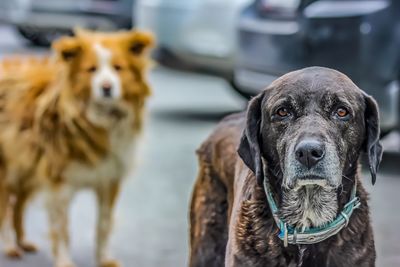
213, 56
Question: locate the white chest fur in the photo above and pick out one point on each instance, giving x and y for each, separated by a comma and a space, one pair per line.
113, 166
82, 175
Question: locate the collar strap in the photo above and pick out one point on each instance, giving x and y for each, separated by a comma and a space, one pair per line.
291, 235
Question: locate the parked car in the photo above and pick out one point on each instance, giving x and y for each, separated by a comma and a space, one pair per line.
360, 38
193, 34
41, 21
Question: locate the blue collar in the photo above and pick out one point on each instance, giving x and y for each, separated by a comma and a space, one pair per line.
291, 235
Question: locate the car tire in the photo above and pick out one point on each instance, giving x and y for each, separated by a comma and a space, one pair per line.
243, 93
384, 133
41, 37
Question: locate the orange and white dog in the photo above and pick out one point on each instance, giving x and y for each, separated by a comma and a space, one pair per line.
69, 122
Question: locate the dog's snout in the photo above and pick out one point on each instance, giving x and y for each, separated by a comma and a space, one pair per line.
309, 152
106, 87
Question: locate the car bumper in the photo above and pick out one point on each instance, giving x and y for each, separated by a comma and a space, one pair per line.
63, 21
53, 14
193, 63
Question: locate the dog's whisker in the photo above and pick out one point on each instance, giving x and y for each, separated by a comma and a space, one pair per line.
302, 250
341, 189
344, 176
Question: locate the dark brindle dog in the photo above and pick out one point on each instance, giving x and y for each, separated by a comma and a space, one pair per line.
287, 191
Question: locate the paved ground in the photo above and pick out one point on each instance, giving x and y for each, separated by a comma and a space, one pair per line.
151, 225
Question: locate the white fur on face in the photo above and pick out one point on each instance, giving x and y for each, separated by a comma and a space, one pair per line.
105, 76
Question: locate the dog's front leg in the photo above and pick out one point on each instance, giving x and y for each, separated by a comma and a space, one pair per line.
58, 200
18, 221
107, 194
9, 238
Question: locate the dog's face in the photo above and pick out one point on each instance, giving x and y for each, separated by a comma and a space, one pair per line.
105, 69
310, 126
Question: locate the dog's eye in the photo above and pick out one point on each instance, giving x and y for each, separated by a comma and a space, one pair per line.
282, 112
342, 112
117, 67
91, 69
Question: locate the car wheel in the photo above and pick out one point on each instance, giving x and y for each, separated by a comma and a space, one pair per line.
41, 37
384, 133
243, 93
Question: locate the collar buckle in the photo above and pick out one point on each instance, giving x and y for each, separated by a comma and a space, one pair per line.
285, 235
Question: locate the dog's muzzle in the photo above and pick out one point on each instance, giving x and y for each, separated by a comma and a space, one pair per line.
312, 161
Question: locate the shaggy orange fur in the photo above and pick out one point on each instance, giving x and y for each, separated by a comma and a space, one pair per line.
53, 130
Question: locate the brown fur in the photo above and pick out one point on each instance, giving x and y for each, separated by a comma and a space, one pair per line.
44, 122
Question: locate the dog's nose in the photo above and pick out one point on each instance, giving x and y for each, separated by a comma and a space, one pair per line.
309, 152
106, 89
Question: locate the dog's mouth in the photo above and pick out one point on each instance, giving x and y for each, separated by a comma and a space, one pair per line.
106, 113
112, 110
310, 180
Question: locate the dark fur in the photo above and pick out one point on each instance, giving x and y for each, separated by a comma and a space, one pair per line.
231, 224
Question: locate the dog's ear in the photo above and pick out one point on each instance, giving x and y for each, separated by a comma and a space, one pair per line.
140, 42
372, 144
67, 48
249, 148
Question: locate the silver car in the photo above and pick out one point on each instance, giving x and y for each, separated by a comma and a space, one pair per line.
41, 21
196, 34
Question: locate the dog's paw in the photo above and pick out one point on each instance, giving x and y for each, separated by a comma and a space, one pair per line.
109, 263
14, 253
28, 247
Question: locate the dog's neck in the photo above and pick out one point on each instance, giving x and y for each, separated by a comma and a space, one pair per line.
308, 206
312, 205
